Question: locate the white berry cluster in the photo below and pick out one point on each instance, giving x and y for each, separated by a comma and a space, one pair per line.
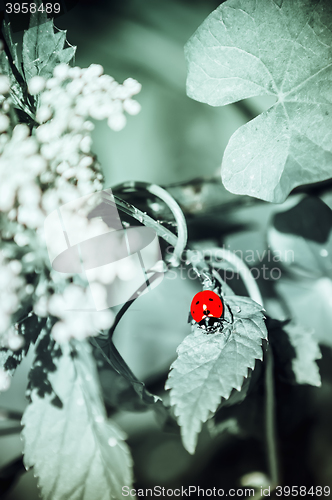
53, 165
72, 308
43, 167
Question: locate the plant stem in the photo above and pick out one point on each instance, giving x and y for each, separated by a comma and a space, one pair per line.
181, 240
129, 302
178, 215
270, 418
244, 272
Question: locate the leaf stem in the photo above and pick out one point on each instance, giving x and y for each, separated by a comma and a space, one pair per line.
145, 219
270, 420
244, 272
129, 302
181, 241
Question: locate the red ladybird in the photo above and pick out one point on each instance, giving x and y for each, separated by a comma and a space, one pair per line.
206, 304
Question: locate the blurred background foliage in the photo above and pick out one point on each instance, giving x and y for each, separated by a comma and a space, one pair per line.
179, 143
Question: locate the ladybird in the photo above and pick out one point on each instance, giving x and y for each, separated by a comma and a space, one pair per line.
207, 309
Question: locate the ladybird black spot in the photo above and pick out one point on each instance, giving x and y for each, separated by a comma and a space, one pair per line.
211, 300
197, 302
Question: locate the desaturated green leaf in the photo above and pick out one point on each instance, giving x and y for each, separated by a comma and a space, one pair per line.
248, 48
243, 307
10, 66
309, 302
43, 49
16, 89
307, 352
59, 55
121, 388
295, 351
210, 366
38, 45
7, 33
301, 238
76, 452
66, 55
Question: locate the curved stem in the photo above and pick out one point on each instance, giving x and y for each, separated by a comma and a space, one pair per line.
179, 218
145, 219
161, 193
129, 302
244, 272
270, 420
270, 417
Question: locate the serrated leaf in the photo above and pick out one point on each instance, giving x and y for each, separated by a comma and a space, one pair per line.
209, 367
76, 452
38, 45
243, 307
6, 29
16, 90
64, 56
43, 48
307, 352
10, 66
248, 48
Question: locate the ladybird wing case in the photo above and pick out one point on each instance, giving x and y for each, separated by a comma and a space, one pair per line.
206, 303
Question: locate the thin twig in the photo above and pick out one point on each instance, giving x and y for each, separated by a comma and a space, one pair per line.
270, 420
168, 199
145, 219
129, 302
243, 270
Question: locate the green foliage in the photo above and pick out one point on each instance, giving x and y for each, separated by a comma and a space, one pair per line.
307, 352
296, 352
303, 237
10, 66
43, 49
75, 451
247, 48
209, 367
